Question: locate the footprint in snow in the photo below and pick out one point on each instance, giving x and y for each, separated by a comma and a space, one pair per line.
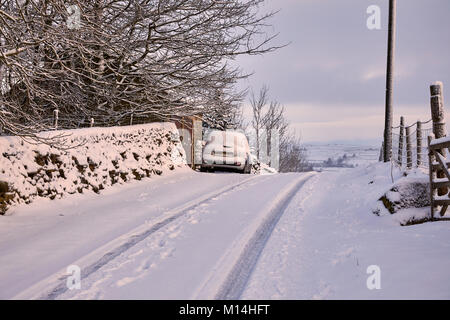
147, 264
135, 254
124, 281
193, 220
174, 234
167, 253
324, 291
342, 256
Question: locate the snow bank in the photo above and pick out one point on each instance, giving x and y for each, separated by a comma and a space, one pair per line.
265, 169
327, 239
401, 197
411, 191
101, 157
404, 196
259, 167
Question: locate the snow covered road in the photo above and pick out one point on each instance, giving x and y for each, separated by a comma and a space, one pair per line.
176, 237
328, 237
195, 235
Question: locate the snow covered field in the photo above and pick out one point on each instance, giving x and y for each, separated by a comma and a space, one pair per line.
192, 235
356, 155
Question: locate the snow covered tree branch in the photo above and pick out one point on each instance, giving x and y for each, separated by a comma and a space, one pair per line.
145, 60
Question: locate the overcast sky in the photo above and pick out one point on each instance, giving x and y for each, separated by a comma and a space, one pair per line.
331, 78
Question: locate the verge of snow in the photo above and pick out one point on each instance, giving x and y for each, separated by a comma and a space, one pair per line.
265, 169
408, 191
327, 241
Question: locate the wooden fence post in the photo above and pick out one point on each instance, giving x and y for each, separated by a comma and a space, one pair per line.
55, 118
408, 149
438, 117
433, 191
400, 141
381, 157
419, 143
437, 110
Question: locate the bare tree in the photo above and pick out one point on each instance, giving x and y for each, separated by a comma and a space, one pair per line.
275, 120
272, 116
145, 60
258, 104
293, 155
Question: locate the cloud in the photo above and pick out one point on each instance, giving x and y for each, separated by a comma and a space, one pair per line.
334, 68
325, 122
374, 73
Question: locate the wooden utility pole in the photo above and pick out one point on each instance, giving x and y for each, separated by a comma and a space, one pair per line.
400, 141
389, 83
381, 157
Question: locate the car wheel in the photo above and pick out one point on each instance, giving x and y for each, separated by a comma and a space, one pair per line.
247, 169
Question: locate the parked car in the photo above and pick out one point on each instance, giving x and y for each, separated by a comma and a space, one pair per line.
226, 149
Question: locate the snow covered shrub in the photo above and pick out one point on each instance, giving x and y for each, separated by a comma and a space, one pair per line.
102, 157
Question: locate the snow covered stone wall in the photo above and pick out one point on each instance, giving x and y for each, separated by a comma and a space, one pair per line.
408, 198
407, 193
103, 157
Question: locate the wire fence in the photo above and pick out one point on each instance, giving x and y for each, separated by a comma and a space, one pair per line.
62, 123
409, 145
57, 122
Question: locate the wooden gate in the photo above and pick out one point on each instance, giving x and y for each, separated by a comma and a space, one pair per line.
439, 176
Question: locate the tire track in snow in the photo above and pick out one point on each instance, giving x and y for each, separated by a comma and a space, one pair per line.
236, 280
132, 238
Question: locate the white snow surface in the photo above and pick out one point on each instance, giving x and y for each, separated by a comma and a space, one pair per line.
192, 235
327, 238
440, 140
356, 155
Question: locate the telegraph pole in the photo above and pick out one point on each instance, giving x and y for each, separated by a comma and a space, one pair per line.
389, 83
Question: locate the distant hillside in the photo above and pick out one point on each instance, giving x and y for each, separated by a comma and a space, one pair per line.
341, 155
